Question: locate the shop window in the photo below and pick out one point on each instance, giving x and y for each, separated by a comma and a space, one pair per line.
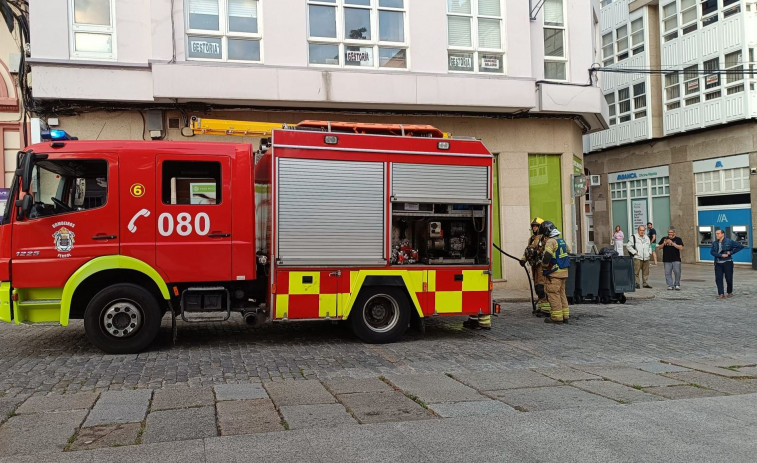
707, 182
660, 186
637, 35
191, 182
610, 98
555, 56
736, 179
619, 190
357, 33
639, 100
624, 104
93, 30
621, 42
223, 30
608, 55
475, 36
638, 188
670, 21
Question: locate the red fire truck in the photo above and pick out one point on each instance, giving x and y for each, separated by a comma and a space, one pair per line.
376, 225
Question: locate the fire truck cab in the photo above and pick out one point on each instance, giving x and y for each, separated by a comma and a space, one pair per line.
379, 230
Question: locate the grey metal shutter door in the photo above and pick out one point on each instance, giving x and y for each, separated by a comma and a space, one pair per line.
330, 212
419, 182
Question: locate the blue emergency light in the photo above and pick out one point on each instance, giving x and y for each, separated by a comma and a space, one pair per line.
55, 134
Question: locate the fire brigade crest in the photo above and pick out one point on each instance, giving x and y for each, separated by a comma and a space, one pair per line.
64, 239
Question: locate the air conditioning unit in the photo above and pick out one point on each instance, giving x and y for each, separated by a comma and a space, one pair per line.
594, 180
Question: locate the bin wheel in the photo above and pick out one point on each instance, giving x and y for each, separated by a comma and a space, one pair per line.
604, 300
622, 298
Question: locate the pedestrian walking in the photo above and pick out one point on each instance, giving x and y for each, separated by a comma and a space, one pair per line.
723, 250
641, 250
671, 257
618, 239
652, 234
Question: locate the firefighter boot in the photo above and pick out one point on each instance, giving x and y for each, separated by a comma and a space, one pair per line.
544, 308
555, 317
565, 314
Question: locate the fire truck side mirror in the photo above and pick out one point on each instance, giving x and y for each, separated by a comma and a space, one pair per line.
25, 172
24, 207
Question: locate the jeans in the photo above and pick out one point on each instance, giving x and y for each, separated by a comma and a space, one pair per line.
670, 269
726, 268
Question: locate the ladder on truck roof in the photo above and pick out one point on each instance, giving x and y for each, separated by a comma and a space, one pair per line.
205, 126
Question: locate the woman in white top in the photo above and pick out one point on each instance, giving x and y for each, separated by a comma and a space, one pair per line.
618, 238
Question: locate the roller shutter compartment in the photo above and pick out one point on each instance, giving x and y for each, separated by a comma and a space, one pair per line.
440, 183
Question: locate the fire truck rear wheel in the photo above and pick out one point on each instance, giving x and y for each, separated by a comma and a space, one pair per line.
122, 319
380, 314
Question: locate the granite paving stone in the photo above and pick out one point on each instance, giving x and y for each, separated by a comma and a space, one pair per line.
661, 367
380, 407
316, 416
67, 457
615, 391
483, 407
749, 371
58, 402
287, 447
39, 432
379, 443
106, 435
306, 392
435, 388
164, 452
247, 416
706, 367
551, 398
718, 383
243, 391
7, 406
490, 381
683, 392
349, 385
566, 374
632, 376
112, 407
181, 424
182, 397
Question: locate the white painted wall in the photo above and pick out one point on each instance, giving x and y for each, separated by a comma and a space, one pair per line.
144, 30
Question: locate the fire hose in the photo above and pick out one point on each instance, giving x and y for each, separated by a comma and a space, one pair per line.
528, 275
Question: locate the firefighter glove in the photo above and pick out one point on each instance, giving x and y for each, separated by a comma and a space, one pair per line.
547, 258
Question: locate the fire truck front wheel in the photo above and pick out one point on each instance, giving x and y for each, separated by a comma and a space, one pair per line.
122, 319
380, 314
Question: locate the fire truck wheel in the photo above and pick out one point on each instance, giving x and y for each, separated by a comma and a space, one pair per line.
380, 314
122, 319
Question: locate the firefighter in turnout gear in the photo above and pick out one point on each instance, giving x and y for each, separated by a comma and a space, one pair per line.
555, 269
533, 256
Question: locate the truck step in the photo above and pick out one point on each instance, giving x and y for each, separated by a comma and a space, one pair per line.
205, 304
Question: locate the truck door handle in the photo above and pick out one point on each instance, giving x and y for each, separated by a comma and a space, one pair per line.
104, 237
219, 235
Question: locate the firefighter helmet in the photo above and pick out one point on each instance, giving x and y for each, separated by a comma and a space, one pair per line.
546, 228
537, 221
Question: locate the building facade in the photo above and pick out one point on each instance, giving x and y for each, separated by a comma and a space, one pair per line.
685, 157
512, 73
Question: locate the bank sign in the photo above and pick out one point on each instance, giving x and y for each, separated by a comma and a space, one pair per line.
662, 171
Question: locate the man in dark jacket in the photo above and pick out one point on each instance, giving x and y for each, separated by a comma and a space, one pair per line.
722, 250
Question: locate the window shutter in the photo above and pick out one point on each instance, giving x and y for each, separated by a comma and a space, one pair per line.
553, 13
458, 6
489, 35
209, 7
488, 7
459, 30
243, 8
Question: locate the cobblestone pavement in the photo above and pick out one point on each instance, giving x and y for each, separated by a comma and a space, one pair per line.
660, 345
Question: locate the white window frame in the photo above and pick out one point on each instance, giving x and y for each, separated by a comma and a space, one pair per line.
223, 33
92, 29
639, 99
624, 116
619, 39
611, 107
691, 25
638, 39
673, 102
558, 59
474, 49
712, 17
608, 49
374, 42
690, 75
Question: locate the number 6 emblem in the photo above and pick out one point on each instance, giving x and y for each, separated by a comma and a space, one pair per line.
137, 190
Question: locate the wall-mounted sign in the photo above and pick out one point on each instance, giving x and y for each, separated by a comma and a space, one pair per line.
727, 162
357, 56
662, 171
